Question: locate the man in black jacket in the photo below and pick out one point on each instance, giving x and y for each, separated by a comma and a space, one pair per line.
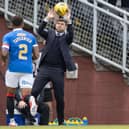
55, 59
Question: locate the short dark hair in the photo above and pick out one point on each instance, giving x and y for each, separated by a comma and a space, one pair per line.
17, 20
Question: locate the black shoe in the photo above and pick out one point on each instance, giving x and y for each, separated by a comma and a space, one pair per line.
61, 123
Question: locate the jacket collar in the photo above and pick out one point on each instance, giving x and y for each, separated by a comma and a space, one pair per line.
59, 33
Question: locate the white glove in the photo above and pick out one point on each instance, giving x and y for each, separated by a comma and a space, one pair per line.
22, 104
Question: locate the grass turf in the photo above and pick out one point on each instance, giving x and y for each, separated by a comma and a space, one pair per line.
69, 127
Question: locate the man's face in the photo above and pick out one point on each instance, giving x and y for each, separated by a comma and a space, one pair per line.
60, 26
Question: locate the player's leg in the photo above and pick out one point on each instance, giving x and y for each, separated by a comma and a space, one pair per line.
10, 105
26, 83
11, 81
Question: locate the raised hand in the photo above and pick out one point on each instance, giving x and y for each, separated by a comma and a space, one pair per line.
51, 15
68, 15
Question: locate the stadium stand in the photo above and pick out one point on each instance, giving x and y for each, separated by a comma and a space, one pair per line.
101, 30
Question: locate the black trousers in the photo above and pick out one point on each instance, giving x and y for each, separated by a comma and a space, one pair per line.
43, 110
56, 76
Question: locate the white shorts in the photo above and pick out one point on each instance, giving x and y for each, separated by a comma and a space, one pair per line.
26, 81
14, 79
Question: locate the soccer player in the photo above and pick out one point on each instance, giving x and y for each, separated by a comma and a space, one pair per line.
18, 47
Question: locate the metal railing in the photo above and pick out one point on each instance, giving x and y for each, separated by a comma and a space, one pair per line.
101, 29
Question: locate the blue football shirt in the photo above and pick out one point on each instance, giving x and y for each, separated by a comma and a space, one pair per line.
20, 45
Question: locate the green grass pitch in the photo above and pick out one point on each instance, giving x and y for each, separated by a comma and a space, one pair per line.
70, 127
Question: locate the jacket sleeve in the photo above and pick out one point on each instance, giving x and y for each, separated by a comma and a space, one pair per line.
69, 35
42, 31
